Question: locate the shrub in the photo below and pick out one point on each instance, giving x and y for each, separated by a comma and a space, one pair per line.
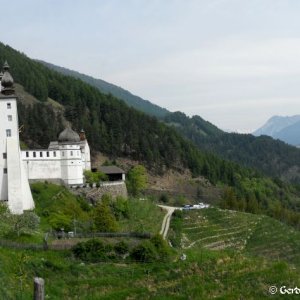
164, 198
176, 228
161, 246
120, 208
180, 200
155, 249
94, 177
25, 223
84, 205
121, 248
177, 214
144, 252
92, 251
59, 220
104, 219
136, 180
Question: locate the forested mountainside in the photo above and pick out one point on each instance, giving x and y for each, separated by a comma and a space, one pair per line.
118, 92
111, 126
272, 157
118, 130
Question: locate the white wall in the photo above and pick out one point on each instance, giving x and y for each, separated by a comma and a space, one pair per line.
71, 164
4, 125
19, 194
86, 155
64, 163
42, 164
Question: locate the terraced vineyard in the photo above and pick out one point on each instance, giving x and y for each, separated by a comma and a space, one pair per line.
218, 229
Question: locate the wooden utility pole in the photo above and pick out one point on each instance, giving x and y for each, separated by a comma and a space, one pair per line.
39, 289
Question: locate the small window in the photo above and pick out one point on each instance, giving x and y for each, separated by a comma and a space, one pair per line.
8, 105
54, 154
41, 154
5, 170
9, 117
47, 153
63, 154
34, 154
8, 132
4, 155
27, 154
71, 153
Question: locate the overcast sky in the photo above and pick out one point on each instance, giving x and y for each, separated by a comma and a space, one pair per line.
236, 63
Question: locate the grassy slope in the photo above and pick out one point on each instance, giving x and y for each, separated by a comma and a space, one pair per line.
144, 216
206, 274
240, 270
219, 275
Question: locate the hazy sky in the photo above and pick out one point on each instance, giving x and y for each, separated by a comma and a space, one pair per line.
233, 62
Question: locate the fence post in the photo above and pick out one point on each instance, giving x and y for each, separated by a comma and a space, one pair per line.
39, 289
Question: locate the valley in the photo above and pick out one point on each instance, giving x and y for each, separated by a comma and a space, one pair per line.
140, 247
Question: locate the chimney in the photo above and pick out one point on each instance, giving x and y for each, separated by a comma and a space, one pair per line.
82, 135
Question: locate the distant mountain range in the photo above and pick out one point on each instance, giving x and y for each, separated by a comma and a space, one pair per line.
108, 88
286, 129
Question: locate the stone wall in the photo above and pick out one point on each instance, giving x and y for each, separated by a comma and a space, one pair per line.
114, 189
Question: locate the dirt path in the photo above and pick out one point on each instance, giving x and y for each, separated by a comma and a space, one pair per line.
166, 221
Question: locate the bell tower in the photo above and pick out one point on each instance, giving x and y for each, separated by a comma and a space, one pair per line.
14, 186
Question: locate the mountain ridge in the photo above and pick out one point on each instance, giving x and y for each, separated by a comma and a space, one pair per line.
109, 88
284, 128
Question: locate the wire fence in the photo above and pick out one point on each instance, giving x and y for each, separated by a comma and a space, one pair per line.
23, 246
70, 235
65, 238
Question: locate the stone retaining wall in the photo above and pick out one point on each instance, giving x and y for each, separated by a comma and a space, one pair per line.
115, 189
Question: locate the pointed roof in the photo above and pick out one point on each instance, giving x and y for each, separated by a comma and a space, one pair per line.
7, 81
5, 66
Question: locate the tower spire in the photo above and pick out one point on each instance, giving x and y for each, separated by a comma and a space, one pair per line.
7, 82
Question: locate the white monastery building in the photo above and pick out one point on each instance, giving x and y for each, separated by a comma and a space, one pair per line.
63, 162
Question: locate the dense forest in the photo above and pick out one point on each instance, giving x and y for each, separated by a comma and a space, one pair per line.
272, 157
118, 130
108, 88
